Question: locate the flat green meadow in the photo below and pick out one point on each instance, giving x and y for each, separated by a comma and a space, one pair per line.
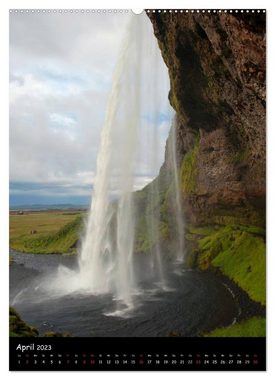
51, 231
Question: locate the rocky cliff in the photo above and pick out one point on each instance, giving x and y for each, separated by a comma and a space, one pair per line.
216, 65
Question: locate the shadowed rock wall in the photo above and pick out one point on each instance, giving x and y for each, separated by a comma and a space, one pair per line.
216, 65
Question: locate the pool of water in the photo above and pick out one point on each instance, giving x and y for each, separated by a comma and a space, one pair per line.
190, 303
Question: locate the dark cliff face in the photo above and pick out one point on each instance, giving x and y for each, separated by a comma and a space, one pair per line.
216, 65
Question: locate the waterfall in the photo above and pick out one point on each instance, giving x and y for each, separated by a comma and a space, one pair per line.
178, 211
105, 266
155, 91
106, 257
138, 115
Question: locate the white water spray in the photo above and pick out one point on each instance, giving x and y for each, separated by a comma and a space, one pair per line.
106, 261
130, 145
106, 265
176, 186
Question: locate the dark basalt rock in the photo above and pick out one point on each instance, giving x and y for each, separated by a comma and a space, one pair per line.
216, 65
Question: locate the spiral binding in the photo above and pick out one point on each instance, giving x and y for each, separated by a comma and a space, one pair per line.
215, 11
106, 11
69, 11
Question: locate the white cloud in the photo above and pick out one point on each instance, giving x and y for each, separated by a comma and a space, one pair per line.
62, 120
61, 67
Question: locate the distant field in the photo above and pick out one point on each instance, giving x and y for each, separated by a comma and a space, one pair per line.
51, 231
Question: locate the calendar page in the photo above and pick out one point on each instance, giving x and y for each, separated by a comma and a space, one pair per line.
137, 189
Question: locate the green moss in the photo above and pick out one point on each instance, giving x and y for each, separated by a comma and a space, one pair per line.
190, 237
244, 262
145, 241
164, 231
60, 242
240, 156
253, 327
188, 170
206, 230
18, 328
173, 97
239, 252
152, 215
53, 334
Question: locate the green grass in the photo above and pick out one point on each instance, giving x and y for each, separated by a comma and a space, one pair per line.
57, 232
18, 328
239, 252
44, 222
188, 170
253, 327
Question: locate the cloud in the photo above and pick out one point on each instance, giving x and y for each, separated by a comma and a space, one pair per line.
82, 42
61, 68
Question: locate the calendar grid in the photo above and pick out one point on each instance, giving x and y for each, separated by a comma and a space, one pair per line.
189, 354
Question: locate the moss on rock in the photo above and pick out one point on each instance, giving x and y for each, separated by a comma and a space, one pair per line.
54, 334
239, 253
253, 327
212, 93
18, 328
188, 170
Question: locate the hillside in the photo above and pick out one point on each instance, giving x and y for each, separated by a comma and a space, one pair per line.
216, 66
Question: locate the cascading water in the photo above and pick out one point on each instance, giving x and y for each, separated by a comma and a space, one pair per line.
178, 211
106, 260
103, 265
154, 92
138, 113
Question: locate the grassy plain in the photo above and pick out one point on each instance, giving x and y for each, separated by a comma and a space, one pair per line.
51, 231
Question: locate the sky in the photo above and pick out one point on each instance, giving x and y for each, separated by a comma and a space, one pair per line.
61, 67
